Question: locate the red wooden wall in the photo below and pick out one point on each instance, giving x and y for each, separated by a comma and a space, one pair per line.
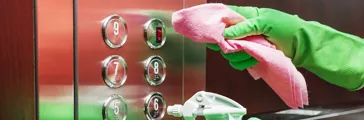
16, 60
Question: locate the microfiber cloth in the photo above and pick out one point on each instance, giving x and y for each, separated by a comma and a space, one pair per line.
204, 24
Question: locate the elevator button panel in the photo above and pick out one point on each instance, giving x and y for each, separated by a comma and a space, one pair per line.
114, 71
155, 33
154, 106
114, 31
115, 108
154, 70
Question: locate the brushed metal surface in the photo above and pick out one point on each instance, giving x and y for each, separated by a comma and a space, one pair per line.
185, 60
55, 59
182, 64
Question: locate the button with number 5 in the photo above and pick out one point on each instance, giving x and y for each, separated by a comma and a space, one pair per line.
154, 70
114, 31
115, 108
154, 106
114, 71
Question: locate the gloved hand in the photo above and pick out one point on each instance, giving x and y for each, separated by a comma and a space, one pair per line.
334, 56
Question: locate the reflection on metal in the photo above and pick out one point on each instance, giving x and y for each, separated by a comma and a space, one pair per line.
54, 25
154, 106
115, 108
300, 112
56, 45
91, 51
114, 71
154, 70
114, 31
155, 33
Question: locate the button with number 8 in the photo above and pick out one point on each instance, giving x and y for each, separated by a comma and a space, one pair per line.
154, 70
114, 31
154, 106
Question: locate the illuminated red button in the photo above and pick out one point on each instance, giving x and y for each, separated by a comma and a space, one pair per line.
159, 34
155, 33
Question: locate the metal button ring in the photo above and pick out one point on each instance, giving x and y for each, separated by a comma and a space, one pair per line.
154, 70
114, 31
114, 71
154, 106
151, 29
115, 108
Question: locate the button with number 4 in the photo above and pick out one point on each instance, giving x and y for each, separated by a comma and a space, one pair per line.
114, 31
115, 108
154, 70
114, 71
154, 106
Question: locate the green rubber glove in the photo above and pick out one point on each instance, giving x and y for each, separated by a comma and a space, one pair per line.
332, 55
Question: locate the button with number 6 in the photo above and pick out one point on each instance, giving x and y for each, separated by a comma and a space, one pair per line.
154, 106
114, 31
154, 70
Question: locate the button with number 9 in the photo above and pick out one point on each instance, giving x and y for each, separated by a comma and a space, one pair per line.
114, 31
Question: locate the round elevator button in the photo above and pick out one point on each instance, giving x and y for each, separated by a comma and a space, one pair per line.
114, 31
155, 33
114, 71
154, 70
154, 106
115, 108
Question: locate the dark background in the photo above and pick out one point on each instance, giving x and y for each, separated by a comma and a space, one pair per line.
256, 95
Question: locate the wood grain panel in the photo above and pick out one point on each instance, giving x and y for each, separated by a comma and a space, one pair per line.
16, 60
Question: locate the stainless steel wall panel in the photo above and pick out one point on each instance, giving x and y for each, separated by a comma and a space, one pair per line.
55, 59
92, 50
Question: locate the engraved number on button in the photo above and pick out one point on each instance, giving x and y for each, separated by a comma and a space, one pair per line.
156, 70
116, 70
156, 106
116, 28
116, 108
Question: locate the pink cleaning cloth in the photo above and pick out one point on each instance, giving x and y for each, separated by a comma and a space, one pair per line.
204, 24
